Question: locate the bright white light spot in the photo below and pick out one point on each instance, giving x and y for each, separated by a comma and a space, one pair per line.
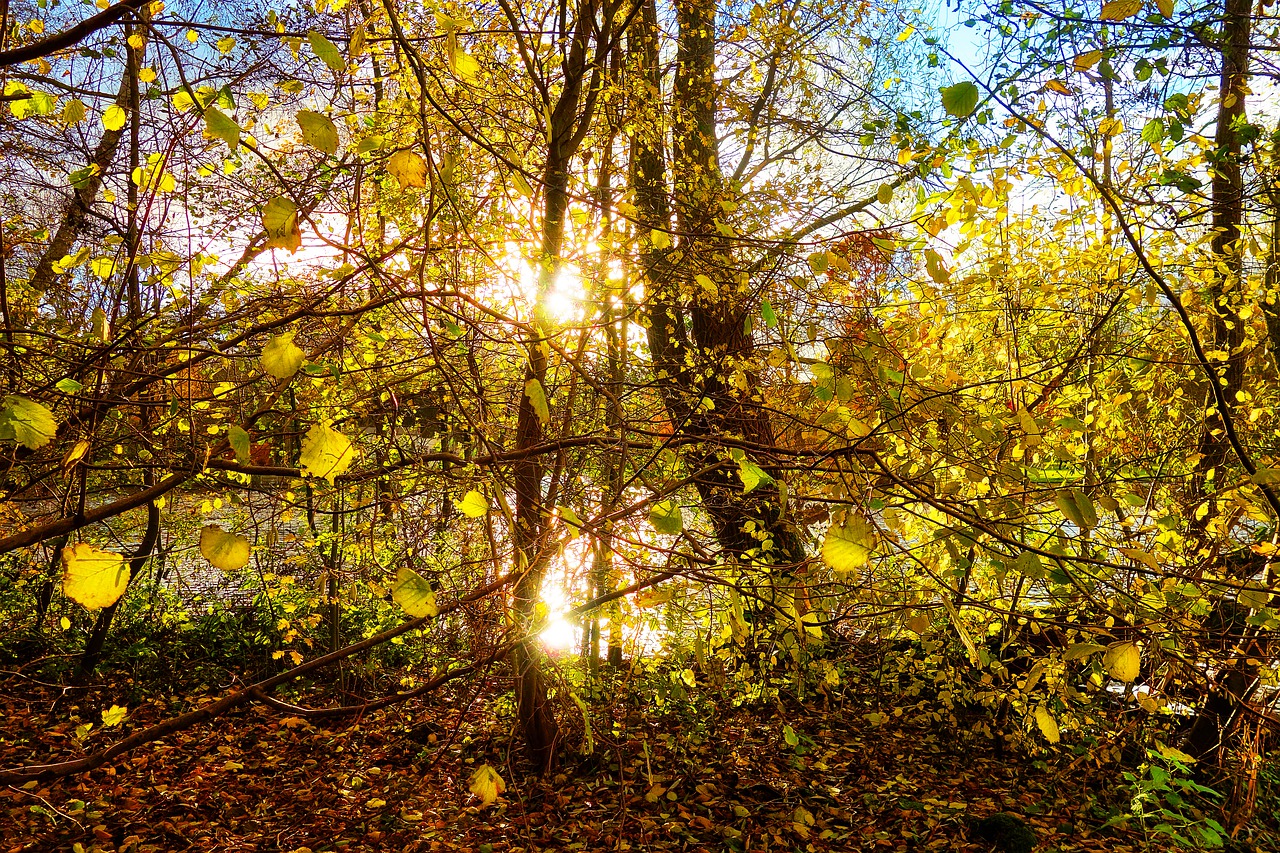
565, 295
559, 635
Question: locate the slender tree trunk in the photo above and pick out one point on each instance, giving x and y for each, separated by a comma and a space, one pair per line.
133, 294
1210, 729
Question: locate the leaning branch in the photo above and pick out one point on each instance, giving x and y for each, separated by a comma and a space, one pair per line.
71, 37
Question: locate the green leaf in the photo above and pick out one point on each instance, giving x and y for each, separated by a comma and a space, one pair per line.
961, 99
1088, 513
280, 221
538, 399
487, 785
327, 51
326, 453
1029, 565
790, 736
318, 131
92, 577
240, 444
472, 505
848, 546
666, 517
281, 357
224, 550
414, 594
221, 126
1181, 180
884, 193
27, 422
767, 313
753, 476
409, 169
69, 386
1153, 131
1266, 476
1068, 501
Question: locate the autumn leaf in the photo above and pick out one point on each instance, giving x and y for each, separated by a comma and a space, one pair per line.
114, 117
848, 546
538, 400
27, 422
408, 168
281, 357
1047, 724
413, 593
665, 516
93, 578
327, 51
224, 550
280, 221
1118, 10
473, 504
220, 126
487, 785
326, 453
1123, 661
318, 131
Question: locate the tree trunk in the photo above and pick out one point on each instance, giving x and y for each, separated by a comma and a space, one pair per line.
701, 351
1210, 729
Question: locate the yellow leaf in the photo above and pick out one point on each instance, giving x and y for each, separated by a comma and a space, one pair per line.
1085, 61
74, 111
1123, 661
1058, 86
114, 118
280, 221
92, 577
224, 550
1048, 725
326, 453
848, 546
114, 716
408, 168
27, 422
281, 357
1144, 557
1165, 7
538, 400
1118, 10
473, 504
487, 785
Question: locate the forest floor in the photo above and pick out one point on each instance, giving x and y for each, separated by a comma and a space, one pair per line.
841, 776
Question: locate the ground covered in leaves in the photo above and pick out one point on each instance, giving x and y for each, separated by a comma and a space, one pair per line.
834, 774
